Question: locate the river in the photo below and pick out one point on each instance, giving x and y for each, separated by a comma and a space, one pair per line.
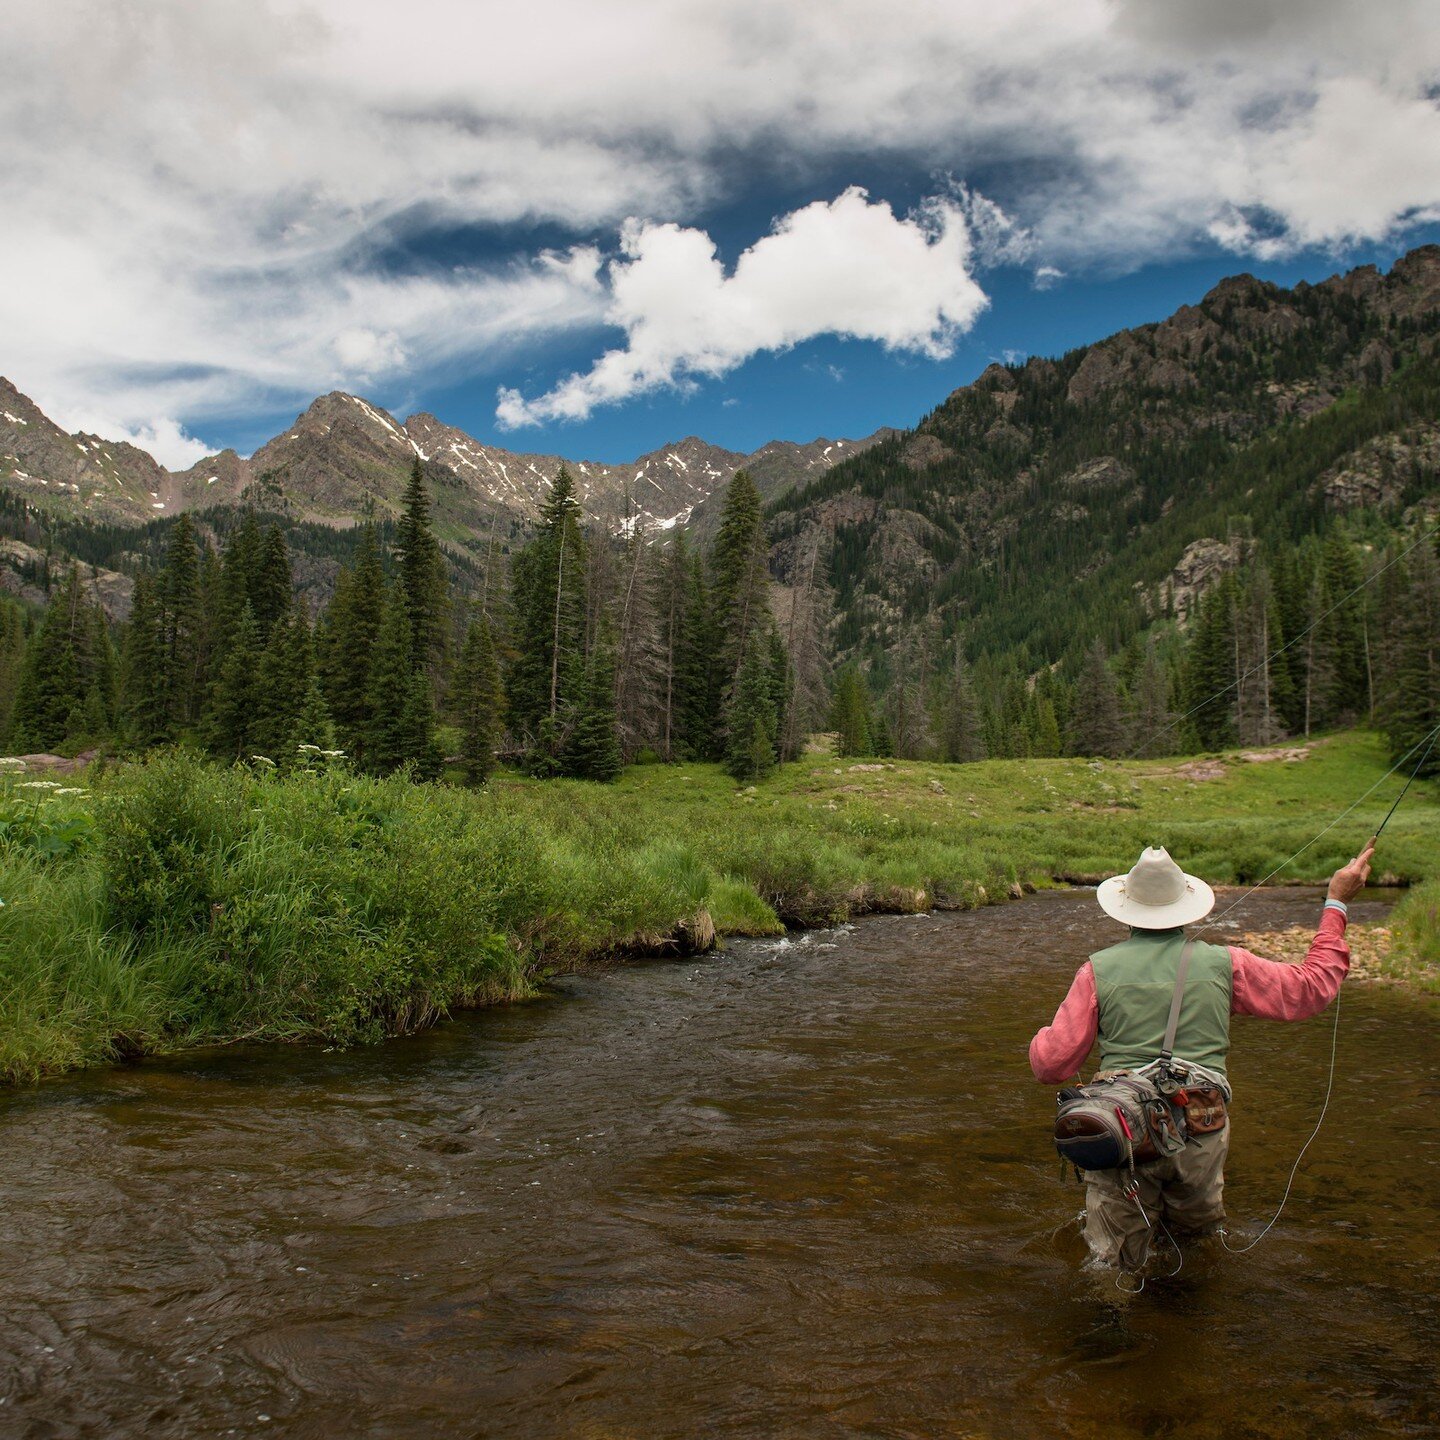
793, 1188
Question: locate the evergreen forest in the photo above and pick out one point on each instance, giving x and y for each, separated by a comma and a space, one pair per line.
1216, 531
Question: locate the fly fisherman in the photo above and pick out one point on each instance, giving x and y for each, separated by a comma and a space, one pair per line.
1123, 995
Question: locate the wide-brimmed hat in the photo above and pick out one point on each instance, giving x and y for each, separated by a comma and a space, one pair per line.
1156, 895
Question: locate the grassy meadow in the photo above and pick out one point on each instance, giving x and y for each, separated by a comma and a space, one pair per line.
174, 903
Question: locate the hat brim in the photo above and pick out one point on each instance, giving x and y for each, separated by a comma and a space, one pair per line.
1195, 904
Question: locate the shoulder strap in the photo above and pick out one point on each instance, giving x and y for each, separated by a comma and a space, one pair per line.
1168, 1048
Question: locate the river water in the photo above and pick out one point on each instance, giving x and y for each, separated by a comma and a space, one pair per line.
797, 1188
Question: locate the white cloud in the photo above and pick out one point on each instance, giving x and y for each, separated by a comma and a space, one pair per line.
996, 237
167, 442
849, 267
194, 194
161, 436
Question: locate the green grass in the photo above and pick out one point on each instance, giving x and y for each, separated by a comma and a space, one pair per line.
176, 903
1415, 924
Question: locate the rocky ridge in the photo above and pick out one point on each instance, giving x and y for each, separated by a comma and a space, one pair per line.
1118, 469
79, 472
345, 454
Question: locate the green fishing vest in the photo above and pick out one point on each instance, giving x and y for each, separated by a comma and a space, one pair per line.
1134, 985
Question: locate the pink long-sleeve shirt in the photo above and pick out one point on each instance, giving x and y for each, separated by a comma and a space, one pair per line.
1271, 989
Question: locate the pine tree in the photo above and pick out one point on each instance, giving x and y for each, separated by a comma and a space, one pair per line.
212, 620
961, 736
276, 701
640, 651
1152, 720
850, 715
1210, 668
271, 587
740, 563
1412, 706
12, 660
906, 714
54, 677
144, 703
782, 683
420, 567
1010, 732
1045, 728
224, 586
1291, 584
352, 627
91, 722
592, 749
182, 627
547, 679
1097, 724
1319, 663
232, 712
417, 729
233, 591
750, 751
700, 678
313, 725
102, 673
477, 700
681, 677
1342, 633
806, 629
284, 681
1261, 693
396, 720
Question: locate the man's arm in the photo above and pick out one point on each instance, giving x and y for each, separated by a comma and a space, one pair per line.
1057, 1051
1274, 990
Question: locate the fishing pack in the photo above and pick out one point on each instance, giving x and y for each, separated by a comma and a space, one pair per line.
1116, 1123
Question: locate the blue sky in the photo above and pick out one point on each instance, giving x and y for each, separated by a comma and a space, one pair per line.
849, 388
593, 229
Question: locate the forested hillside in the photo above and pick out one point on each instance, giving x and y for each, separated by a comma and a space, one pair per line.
1217, 529
1268, 449
587, 651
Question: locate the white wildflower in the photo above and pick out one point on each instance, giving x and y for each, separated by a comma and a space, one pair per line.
309, 750
263, 760
39, 785
333, 754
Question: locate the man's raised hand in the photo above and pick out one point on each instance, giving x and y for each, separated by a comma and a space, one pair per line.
1349, 880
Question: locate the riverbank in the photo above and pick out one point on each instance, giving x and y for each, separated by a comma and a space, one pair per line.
1380, 953
175, 903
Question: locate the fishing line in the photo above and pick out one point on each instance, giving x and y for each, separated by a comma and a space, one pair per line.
1275, 655
1428, 741
1350, 809
1149, 1225
1279, 1210
1418, 768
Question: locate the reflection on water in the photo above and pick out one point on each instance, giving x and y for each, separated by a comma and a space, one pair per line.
801, 1188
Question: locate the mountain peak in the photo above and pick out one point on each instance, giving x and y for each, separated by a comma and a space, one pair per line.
1242, 288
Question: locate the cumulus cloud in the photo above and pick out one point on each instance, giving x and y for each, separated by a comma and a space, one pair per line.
199, 198
849, 267
164, 438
